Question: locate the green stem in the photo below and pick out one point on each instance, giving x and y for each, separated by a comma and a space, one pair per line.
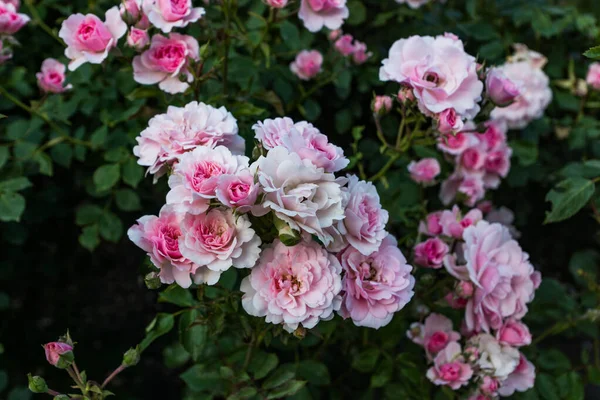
38, 21
76, 380
385, 168
380, 130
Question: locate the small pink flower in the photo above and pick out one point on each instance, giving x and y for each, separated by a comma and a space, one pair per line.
470, 186
270, 132
431, 226
276, 3
52, 77
344, 45
431, 253
454, 301
405, 94
238, 191
449, 122
131, 10
514, 333
137, 38
360, 54
449, 368
473, 158
455, 144
315, 14
520, 380
593, 75
375, 286
464, 289
414, 4
425, 170
435, 334
169, 14
11, 21
453, 224
382, 104
293, 285
498, 161
307, 64
501, 90
494, 136
334, 34
54, 350
489, 386
89, 39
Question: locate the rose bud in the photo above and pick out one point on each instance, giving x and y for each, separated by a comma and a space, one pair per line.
59, 354
431, 253
464, 289
381, 105
424, 171
449, 122
514, 333
277, 3
131, 357
37, 384
501, 90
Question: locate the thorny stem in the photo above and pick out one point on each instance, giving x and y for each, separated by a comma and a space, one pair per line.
109, 378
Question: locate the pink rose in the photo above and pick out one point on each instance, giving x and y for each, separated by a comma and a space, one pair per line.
520, 380
238, 191
514, 333
315, 14
593, 75
169, 14
435, 334
449, 122
277, 3
473, 158
15, 3
181, 130
455, 144
51, 79
425, 170
454, 301
137, 38
494, 137
471, 186
131, 10
54, 350
293, 286
498, 161
449, 368
195, 177
270, 132
431, 226
11, 21
159, 237
489, 386
89, 39
440, 72
165, 61
375, 286
464, 289
307, 64
344, 45
217, 240
431, 253
334, 34
501, 90
382, 104
360, 54
453, 223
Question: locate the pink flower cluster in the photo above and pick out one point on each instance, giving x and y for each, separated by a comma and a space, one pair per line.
481, 160
347, 46
355, 268
11, 21
494, 283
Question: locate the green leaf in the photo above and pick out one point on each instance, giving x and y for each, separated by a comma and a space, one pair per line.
198, 379
111, 228
106, 176
193, 335
568, 197
89, 237
12, 206
175, 356
281, 375
262, 363
4, 154
593, 53
62, 154
287, 389
290, 35
243, 393
4, 301
525, 152
15, 184
99, 136
19, 393
382, 374
584, 266
128, 200
160, 325
132, 172
358, 13
314, 372
45, 163
366, 360
552, 359
88, 214
177, 295
546, 387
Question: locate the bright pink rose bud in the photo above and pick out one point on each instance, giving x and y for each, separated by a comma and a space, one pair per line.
56, 349
501, 90
277, 3
431, 253
360, 55
464, 289
514, 333
333, 35
425, 170
489, 386
593, 76
52, 77
307, 64
449, 122
344, 45
138, 38
382, 104
10, 20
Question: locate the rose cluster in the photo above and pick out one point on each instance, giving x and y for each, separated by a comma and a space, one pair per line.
494, 282
315, 243
11, 21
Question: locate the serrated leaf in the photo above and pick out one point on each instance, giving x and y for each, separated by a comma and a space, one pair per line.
132, 172
568, 197
111, 227
281, 375
314, 372
262, 363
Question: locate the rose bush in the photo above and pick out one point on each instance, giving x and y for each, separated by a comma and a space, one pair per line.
332, 198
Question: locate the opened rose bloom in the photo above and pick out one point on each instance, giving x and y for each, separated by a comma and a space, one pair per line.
424, 171
514, 333
238, 190
316, 14
218, 240
307, 64
270, 132
450, 368
431, 253
520, 380
434, 334
166, 61
51, 78
293, 285
137, 38
169, 14
498, 360
182, 129
10, 20
375, 286
159, 237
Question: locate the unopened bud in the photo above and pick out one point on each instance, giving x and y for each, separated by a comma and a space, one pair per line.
287, 235
131, 357
300, 332
464, 289
381, 105
37, 384
152, 280
59, 354
405, 94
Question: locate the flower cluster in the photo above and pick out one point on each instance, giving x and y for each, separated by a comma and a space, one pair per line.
331, 252
494, 283
347, 46
11, 21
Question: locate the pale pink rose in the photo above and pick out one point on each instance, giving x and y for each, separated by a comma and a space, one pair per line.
277, 3
440, 72
520, 380
453, 223
166, 61
498, 161
431, 226
5, 53
473, 158
159, 237
449, 368
382, 104
455, 144
479, 396
525, 70
504, 279
138, 38
307, 64
316, 14
449, 122
10, 20
54, 350
498, 360
451, 35
514, 333
195, 177
334, 34
434, 334
413, 3
431, 253
360, 54
270, 132
89, 39
425, 170
494, 136
363, 225
501, 90
489, 386
304, 196
375, 286
51, 79
593, 75
183, 129
344, 45
471, 186
238, 191
218, 240
169, 14
293, 285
